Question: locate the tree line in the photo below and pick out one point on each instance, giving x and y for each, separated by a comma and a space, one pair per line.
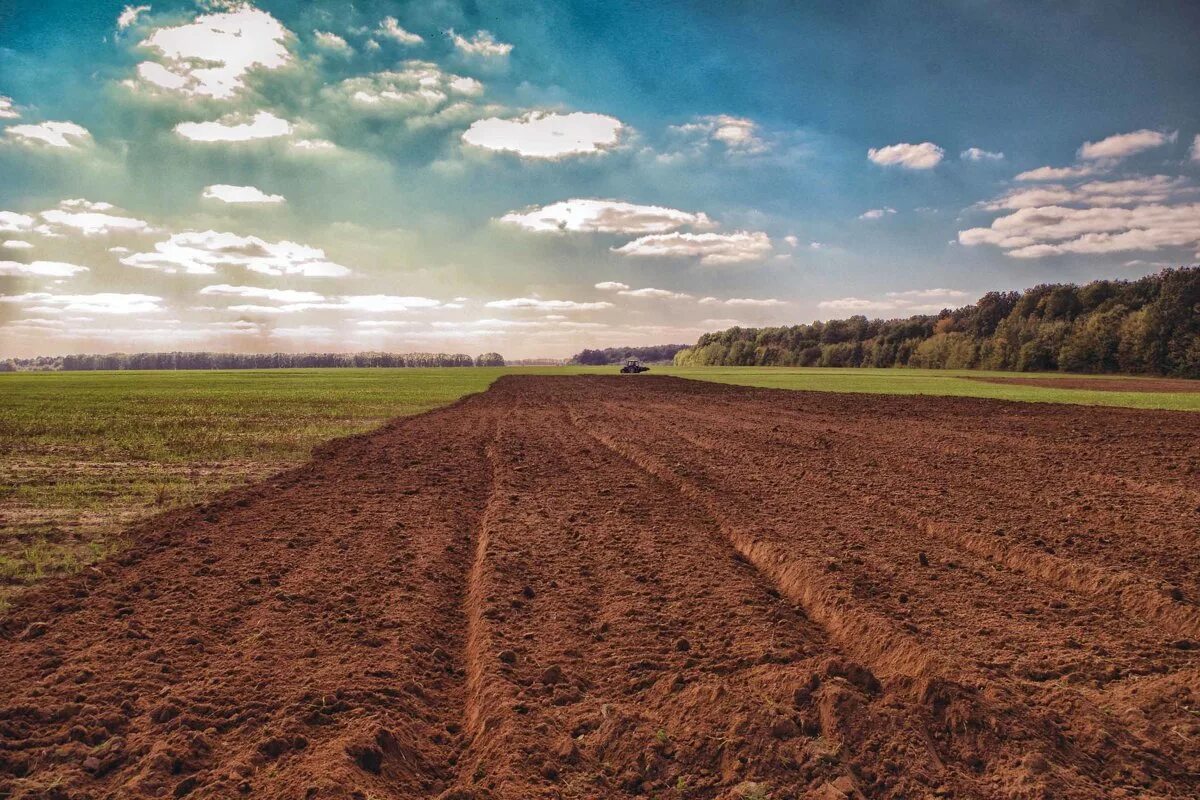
617, 355
1146, 326
204, 360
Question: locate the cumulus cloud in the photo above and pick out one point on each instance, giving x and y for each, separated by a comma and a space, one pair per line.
745, 302
925, 155
202, 252
538, 304
712, 249
16, 244
101, 303
66, 135
12, 222
332, 43
877, 213
212, 55
1125, 144
1058, 173
7, 111
482, 43
611, 286
390, 28
1196, 148
657, 294
604, 216
240, 194
417, 87
1054, 230
541, 134
979, 154
91, 219
738, 135
56, 269
236, 128
929, 294
1147, 189
260, 293
129, 16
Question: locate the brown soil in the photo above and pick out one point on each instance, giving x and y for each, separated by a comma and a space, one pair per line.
586, 587
1170, 385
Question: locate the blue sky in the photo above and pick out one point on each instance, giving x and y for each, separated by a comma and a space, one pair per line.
534, 177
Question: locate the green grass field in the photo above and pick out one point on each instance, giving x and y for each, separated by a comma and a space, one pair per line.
84, 454
957, 383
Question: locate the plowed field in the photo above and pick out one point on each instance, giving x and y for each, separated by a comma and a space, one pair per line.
592, 587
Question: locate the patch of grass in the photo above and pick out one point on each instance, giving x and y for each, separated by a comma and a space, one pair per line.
956, 383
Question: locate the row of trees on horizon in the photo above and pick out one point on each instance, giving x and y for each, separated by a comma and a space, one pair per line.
616, 355
1146, 326
204, 360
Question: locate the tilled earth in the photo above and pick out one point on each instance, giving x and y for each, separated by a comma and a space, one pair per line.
587, 587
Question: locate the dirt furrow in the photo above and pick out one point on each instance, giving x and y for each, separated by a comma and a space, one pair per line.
618, 588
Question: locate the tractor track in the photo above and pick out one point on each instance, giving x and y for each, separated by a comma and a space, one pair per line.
629, 587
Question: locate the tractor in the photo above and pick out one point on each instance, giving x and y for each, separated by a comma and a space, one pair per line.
633, 367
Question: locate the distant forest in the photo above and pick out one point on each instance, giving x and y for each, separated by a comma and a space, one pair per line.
1146, 326
616, 355
245, 361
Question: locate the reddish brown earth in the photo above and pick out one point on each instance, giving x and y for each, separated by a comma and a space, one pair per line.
614, 587
1104, 384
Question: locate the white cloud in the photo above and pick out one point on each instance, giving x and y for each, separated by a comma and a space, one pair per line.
928, 294
101, 303
55, 269
657, 294
418, 87
540, 134
739, 135
201, 252
745, 302
604, 216
978, 154
711, 248
538, 304
1125, 144
6, 108
1196, 148
925, 155
1147, 189
235, 128
212, 55
390, 27
53, 134
1053, 230
1058, 173
331, 42
240, 194
612, 286
260, 293
12, 222
481, 44
314, 145
16, 244
129, 16
877, 213
792, 241
92, 219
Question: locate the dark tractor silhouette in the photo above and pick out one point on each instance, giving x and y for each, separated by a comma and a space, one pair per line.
633, 367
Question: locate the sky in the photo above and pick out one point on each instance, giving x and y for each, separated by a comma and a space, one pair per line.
537, 177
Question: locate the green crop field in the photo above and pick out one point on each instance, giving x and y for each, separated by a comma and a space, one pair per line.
84, 454
957, 383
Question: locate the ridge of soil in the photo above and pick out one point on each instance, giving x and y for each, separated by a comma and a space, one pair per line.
603, 587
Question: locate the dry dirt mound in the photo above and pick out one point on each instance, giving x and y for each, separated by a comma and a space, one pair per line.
607, 587
1157, 385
